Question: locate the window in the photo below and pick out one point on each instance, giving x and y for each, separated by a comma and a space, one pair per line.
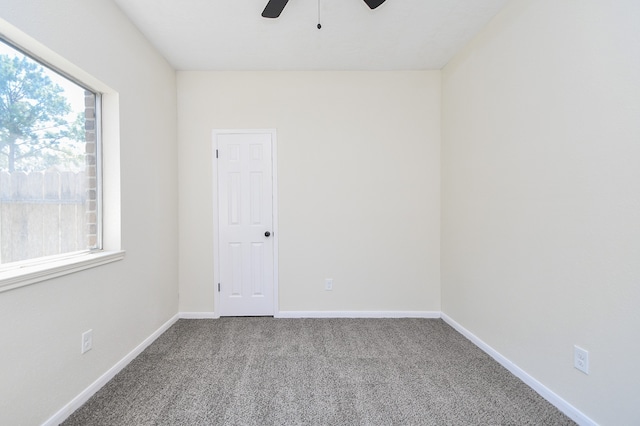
50, 186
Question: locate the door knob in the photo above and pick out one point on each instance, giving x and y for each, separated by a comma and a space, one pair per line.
266, 234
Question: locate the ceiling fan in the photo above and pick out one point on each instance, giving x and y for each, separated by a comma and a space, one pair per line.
274, 7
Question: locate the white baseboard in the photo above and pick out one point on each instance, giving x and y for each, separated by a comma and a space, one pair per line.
358, 314
572, 412
198, 315
84, 396
326, 314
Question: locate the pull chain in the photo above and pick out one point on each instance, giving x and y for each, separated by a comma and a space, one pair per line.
319, 26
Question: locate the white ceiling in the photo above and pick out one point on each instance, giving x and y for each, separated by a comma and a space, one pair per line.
231, 34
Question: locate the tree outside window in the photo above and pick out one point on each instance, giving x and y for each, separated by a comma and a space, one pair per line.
48, 159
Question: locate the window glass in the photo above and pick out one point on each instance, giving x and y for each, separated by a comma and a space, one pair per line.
49, 186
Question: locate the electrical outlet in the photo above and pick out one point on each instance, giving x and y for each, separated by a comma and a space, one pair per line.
581, 359
87, 341
328, 284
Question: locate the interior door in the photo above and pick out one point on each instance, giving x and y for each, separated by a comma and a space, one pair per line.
245, 214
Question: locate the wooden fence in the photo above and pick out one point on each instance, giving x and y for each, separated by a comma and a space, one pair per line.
42, 214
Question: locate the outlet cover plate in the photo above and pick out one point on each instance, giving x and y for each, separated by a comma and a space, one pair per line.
87, 341
581, 359
328, 284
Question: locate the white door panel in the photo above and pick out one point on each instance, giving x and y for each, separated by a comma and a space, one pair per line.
245, 204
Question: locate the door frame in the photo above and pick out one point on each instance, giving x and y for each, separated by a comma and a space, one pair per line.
216, 225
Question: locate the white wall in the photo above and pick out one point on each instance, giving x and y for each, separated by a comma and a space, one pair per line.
540, 201
41, 368
541, 196
358, 175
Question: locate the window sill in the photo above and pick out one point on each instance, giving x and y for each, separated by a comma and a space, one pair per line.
31, 274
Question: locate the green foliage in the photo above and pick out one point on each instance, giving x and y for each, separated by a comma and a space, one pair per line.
35, 131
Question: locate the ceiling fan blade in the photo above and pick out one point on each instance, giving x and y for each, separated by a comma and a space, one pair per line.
373, 3
273, 9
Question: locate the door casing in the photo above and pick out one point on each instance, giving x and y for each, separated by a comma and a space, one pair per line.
216, 215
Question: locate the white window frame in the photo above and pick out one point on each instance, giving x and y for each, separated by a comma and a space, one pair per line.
18, 274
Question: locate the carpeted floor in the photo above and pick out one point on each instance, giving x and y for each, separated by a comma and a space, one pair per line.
265, 371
